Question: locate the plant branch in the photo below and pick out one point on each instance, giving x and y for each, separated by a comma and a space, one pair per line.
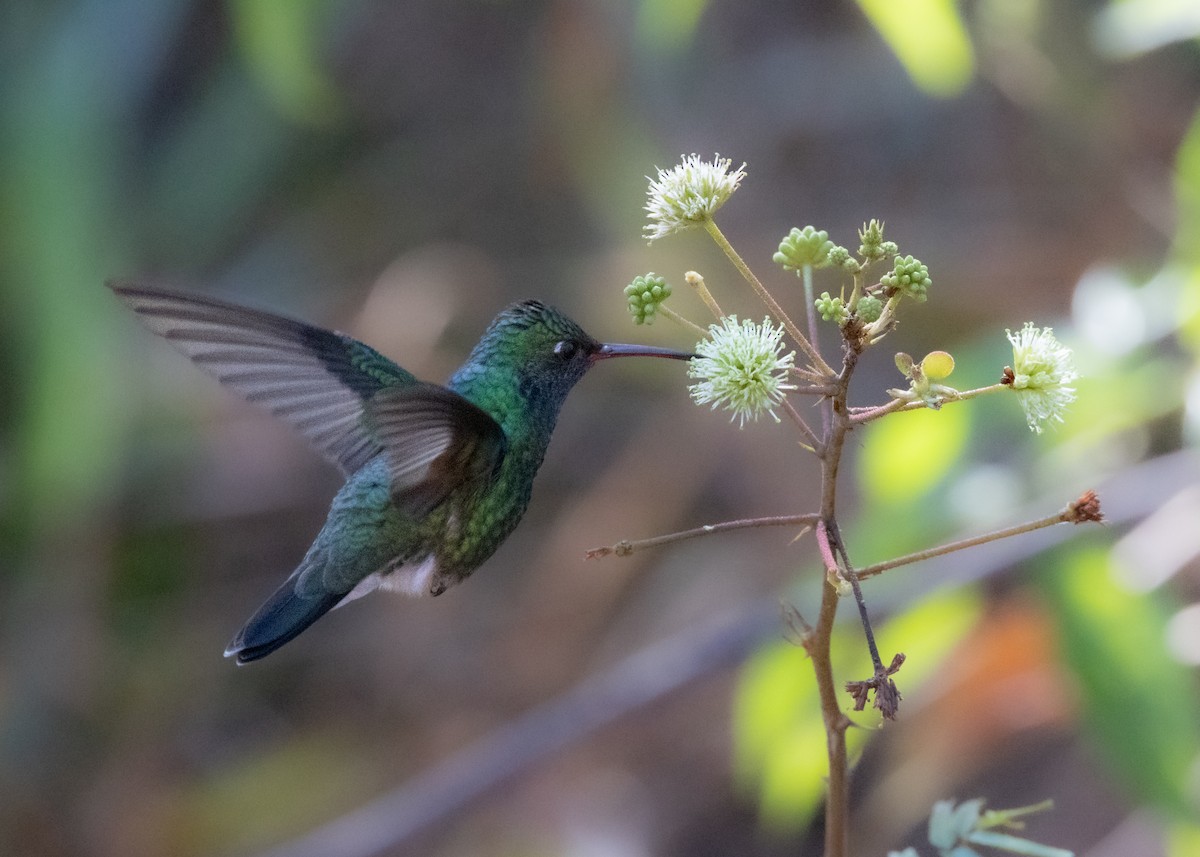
814, 442
837, 802
1086, 508
848, 573
627, 547
819, 642
813, 389
817, 380
861, 416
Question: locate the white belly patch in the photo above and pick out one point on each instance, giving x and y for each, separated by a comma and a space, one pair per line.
413, 579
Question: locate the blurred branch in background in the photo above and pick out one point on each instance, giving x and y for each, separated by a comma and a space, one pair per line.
436, 796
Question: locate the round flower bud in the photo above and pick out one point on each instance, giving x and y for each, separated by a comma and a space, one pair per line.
869, 308
909, 277
800, 247
838, 255
831, 309
644, 295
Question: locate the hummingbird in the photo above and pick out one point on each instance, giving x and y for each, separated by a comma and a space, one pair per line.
437, 477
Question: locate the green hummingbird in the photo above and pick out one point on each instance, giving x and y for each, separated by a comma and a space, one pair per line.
437, 477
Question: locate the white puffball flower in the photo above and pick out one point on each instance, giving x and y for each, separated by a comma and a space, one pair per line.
741, 368
689, 193
1043, 370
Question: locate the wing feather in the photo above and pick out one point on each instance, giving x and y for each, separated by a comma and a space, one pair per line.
435, 441
351, 402
318, 381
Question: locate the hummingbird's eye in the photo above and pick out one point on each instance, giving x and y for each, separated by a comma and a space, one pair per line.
566, 349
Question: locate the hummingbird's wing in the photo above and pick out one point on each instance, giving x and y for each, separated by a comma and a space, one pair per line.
435, 441
318, 381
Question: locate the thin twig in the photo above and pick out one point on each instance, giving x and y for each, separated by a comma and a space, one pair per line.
814, 442
814, 335
813, 390
887, 695
850, 575
677, 318
814, 378
1068, 514
859, 416
626, 547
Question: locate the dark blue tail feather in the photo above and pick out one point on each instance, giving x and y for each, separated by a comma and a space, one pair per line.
284, 615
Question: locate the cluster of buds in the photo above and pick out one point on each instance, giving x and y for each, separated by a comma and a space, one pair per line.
832, 309
805, 247
645, 294
909, 277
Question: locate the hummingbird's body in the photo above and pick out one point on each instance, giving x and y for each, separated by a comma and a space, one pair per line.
437, 477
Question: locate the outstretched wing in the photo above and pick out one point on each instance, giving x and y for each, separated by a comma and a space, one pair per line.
318, 381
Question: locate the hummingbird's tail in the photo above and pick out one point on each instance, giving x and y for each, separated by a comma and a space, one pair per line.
284, 615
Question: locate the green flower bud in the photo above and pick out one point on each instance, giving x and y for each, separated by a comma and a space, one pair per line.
832, 309
645, 294
869, 308
800, 247
889, 248
908, 276
839, 256
871, 236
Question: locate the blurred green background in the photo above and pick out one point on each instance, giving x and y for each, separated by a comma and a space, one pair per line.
401, 171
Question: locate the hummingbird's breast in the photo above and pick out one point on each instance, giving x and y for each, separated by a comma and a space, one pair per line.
475, 522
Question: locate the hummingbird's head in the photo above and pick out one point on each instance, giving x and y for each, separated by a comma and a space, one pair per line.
547, 352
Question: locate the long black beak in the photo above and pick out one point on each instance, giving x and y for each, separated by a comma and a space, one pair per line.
610, 349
